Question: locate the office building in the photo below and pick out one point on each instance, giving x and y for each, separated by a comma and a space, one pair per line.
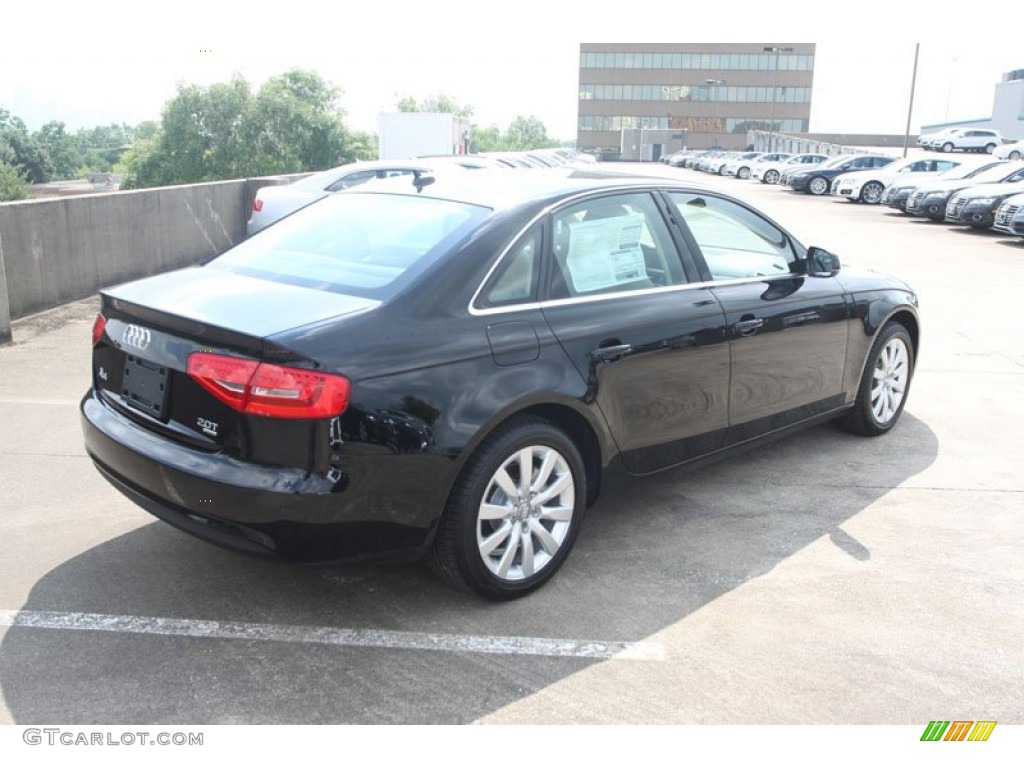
642, 100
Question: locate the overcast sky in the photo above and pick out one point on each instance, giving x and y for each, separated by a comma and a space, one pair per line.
101, 62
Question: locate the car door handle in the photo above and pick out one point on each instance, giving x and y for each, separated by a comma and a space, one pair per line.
747, 327
611, 353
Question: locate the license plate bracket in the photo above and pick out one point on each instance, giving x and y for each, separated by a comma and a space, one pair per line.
144, 386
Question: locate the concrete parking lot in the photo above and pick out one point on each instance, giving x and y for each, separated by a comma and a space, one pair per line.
822, 579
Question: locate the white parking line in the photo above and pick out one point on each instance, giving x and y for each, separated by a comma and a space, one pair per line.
361, 638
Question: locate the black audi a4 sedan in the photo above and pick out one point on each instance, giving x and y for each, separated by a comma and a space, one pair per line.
447, 369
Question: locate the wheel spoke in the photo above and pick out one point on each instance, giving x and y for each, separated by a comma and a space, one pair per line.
525, 471
547, 542
504, 481
550, 457
526, 561
495, 540
557, 514
510, 552
887, 409
496, 511
555, 489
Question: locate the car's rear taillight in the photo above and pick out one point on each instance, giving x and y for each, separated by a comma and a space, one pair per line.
98, 326
263, 389
257, 205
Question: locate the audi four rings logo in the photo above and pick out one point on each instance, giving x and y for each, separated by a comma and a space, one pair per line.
136, 336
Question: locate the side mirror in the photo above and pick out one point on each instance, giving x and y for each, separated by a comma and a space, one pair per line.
821, 263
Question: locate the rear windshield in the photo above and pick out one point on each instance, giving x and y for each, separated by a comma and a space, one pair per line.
358, 243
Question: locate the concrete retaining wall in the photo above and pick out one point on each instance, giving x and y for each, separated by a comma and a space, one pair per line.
56, 251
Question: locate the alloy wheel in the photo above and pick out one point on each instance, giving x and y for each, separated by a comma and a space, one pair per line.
889, 381
526, 513
871, 193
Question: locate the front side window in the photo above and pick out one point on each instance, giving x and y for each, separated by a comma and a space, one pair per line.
612, 244
736, 243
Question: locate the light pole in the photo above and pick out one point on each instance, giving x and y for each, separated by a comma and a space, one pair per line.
910, 107
711, 91
775, 74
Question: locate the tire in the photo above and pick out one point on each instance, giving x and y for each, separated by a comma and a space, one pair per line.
1015, 155
479, 544
990, 148
770, 177
884, 385
818, 185
743, 173
871, 193
947, 147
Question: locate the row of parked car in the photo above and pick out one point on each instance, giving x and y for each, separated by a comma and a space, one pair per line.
975, 193
275, 202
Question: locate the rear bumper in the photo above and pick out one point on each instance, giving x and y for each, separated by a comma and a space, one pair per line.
283, 512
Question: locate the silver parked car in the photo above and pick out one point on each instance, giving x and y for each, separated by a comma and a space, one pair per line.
273, 203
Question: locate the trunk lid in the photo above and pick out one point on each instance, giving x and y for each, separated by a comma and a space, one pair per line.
140, 365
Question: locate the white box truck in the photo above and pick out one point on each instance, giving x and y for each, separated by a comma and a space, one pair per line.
414, 134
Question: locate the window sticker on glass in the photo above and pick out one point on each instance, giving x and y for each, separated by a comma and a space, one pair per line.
606, 252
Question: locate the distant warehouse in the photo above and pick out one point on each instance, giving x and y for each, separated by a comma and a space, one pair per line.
644, 100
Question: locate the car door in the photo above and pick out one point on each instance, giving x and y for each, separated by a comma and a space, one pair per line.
787, 331
648, 342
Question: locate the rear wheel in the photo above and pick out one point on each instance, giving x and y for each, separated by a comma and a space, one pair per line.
770, 177
818, 185
514, 513
884, 385
990, 148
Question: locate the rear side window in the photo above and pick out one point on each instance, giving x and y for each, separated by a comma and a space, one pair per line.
515, 281
357, 243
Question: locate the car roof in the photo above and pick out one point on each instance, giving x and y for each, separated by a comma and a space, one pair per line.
498, 191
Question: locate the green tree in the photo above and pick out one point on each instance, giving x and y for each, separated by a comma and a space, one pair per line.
64, 150
485, 139
528, 133
439, 102
101, 148
292, 124
19, 149
13, 185
296, 123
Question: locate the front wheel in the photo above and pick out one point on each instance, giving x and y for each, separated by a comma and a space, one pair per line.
871, 193
884, 385
743, 173
1015, 155
514, 512
947, 147
818, 185
990, 148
